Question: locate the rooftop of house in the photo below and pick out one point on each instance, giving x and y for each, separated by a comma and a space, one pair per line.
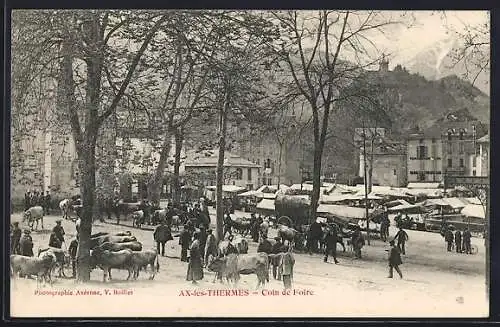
209, 158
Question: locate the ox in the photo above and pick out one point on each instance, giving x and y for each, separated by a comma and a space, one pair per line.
144, 259
107, 260
134, 246
33, 214
233, 265
39, 266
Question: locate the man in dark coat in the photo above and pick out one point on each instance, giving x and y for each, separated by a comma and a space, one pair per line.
58, 230
195, 268
402, 238
54, 241
384, 227
358, 242
254, 227
331, 244
394, 260
15, 237
26, 244
458, 241
162, 235
27, 200
315, 233
184, 242
277, 248
202, 239
47, 203
466, 241
448, 238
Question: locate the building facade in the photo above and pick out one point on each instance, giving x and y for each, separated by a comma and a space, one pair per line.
424, 156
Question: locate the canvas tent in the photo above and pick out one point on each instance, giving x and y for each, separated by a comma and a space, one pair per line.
473, 210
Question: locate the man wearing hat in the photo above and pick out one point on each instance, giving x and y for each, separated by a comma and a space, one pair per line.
184, 241
58, 230
26, 244
161, 235
394, 260
195, 269
14, 238
466, 244
402, 238
331, 244
210, 247
276, 249
448, 238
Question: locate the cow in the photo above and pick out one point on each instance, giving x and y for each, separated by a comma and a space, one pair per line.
223, 248
264, 228
107, 260
242, 226
62, 258
65, 206
110, 238
99, 234
134, 246
126, 233
291, 235
241, 245
39, 266
33, 214
143, 259
137, 218
233, 265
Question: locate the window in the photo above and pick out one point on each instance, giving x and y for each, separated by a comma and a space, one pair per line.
267, 164
421, 141
421, 152
449, 135
433, 140
269, 181
249, 174
421, 176
434, 151
449, 163
473, 173
395, 173
461, 162
461, 135
474, 163
461, 147
449, 148
258, 161
239, 173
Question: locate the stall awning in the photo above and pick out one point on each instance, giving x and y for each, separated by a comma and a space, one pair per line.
343, 211
423, 185
473, 210
266, 204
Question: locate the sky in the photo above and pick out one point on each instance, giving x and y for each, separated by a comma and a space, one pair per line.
429, 27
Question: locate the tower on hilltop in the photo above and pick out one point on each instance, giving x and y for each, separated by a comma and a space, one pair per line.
384, 64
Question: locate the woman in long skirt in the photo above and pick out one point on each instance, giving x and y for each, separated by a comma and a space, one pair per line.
195, 267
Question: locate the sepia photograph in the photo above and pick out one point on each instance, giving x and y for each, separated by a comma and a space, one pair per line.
249, 163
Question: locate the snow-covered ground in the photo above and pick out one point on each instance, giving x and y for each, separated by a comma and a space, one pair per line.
436, 284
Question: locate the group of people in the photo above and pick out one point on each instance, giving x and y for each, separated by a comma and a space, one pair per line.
37, 198
461, 240
22, 243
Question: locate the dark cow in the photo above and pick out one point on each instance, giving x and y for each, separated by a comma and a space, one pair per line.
126, 233
291, 235
233, 265
33, 214
62, 258
39, 266
134, 246
107, 260
144, 259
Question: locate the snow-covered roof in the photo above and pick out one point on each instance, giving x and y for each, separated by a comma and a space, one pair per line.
210, 158
473, 210
227, 188
423, 185
267, 204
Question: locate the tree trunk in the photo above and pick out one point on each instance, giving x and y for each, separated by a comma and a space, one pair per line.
318, 153
220, 169
179, 138
86, 157
155, 182
279, 165
370, 168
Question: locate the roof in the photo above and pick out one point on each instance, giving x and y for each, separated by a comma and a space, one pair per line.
423, 185
343, 211
227, 188
454, 203
210, 158
473, 210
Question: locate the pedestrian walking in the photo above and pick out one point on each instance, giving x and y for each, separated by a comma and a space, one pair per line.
47, 200
287, 261
358, 241
458, 241
195, 269
402, 238
15, 237
331, 245
161, 236
448, 238
467, 241
58, 231
394, 260
184, 241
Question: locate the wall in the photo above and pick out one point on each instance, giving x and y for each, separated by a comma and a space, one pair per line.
389, 170
230, 176
432, 169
